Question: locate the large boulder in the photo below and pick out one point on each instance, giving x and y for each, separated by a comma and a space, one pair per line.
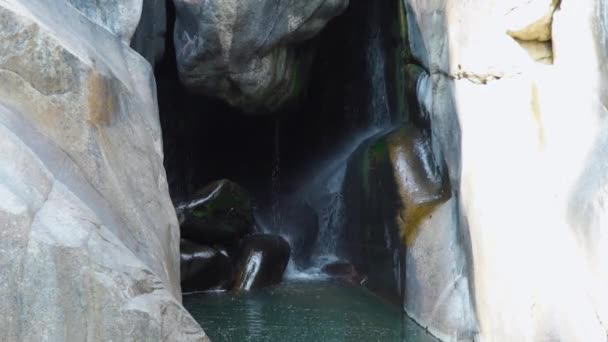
221, 213
204, 268
248, 53
525, 143
261, 262
89, 240
393, 183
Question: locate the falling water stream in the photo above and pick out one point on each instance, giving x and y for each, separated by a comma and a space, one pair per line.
277, 224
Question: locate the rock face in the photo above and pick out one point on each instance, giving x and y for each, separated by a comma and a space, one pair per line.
524, 143
118, 16
89, 236
204, 268
261, 262
221, 213
247, 53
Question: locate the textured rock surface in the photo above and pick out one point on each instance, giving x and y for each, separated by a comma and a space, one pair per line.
89, 238
261, 262
143, 23
247, 53
118, 16
523, 142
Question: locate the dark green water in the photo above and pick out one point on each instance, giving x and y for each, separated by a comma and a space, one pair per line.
308, 311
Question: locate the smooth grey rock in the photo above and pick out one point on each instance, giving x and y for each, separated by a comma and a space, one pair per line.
246, 52
89, 238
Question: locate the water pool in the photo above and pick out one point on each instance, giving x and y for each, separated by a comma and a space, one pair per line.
311, 311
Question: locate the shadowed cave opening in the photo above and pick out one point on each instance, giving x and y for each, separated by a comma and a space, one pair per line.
205, 139
299, 154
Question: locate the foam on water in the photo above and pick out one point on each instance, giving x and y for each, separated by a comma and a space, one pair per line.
312, 273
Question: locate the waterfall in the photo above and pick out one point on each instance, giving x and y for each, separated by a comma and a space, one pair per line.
379, 111
324, 193
276, 219
368, 109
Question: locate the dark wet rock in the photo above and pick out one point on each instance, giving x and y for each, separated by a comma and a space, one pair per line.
262, 261
221, 213
339, 269
204, 268
421, 179
300, 224
149, 37
249, 54
393, 182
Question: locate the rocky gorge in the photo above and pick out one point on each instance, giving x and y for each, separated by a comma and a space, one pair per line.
268, 170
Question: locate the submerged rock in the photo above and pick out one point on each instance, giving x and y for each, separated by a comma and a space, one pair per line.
343, 270
262, 261
204, 268
221, 213
118, 16
89, 240
248, 53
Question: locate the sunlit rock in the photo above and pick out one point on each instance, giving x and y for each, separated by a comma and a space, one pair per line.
249, 54
204, 268
221, 213
89, 239
527, 141
530, 20
261, 262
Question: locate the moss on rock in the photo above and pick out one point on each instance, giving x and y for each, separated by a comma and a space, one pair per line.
221, 213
